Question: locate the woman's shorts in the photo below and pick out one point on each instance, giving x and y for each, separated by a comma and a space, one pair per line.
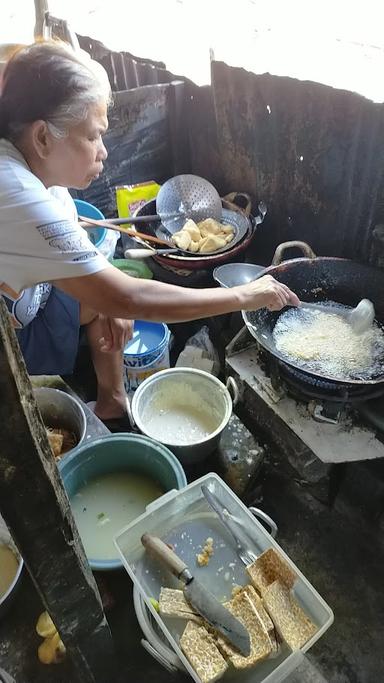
50, 342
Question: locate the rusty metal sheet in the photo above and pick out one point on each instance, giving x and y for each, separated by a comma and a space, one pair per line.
313, 153
126, 70
138, 145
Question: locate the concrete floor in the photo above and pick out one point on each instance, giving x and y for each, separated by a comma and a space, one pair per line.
338, 551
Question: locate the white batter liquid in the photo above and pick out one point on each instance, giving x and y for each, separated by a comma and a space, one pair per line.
178, 424
105, 505
325, 342
8, 567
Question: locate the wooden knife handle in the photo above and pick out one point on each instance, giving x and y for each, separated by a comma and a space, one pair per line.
162, 552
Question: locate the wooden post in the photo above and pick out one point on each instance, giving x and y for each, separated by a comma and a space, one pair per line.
35, 507
41, 7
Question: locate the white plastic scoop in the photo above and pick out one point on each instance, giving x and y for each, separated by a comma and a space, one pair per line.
360, 318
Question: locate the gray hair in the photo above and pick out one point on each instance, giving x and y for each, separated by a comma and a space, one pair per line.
91, 82
49, 81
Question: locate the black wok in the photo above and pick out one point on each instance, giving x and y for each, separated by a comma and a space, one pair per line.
318, 279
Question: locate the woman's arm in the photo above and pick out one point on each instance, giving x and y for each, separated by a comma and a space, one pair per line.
118, 295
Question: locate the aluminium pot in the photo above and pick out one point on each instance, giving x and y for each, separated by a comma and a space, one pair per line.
199, 389
61, 410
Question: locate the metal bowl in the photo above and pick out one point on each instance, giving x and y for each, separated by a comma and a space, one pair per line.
191, 261
59, 409
234, 274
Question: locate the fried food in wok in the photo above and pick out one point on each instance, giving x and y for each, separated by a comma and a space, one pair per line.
203, 237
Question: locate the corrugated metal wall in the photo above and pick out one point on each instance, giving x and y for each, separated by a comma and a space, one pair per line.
313, 153
125, 70
138, 142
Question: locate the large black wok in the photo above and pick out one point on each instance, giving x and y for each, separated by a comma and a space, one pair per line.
318, 279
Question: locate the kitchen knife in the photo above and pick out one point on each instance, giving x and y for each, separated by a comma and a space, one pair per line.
199, 597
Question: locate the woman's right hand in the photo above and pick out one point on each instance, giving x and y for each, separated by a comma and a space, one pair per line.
266, 292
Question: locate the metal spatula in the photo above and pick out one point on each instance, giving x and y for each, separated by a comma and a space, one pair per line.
360, 318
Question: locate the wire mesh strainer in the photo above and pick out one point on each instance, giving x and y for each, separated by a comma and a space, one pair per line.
187, 196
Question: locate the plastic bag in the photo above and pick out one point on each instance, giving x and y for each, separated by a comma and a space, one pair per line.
108, 245
199, 353
130, 198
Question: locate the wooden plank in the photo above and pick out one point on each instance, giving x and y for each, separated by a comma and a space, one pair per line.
35, 507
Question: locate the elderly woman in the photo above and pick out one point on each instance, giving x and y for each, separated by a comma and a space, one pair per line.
53, 115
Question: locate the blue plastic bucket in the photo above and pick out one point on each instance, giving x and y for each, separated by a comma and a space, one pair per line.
146, 353
119, 453
96, 235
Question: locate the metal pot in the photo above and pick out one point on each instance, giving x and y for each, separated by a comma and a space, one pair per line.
6, 539
319, 279
196, 387
61, 410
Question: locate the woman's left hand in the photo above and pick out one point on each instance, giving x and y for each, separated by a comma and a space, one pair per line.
116, 333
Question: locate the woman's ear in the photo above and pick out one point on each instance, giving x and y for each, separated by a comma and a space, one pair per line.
41, 138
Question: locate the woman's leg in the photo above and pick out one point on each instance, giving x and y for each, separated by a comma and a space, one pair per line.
111, 396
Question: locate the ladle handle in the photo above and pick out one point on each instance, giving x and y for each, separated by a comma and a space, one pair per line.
147, 253
113, 226
133, 220
303, 246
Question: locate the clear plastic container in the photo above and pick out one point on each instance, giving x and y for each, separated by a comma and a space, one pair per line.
185, 520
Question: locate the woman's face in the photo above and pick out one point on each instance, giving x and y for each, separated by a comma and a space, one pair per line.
76, 160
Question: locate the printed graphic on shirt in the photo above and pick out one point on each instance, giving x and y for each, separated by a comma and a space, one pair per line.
24, 306
61, 235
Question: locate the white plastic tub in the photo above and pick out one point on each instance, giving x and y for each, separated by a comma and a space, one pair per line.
185, 520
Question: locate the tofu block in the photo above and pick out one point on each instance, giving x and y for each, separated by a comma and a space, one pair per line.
191, 227
290, 620
211, 243
270, 567
209, 227
182, 239
202, 653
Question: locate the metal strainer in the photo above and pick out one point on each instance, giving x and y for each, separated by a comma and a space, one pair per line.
187, 196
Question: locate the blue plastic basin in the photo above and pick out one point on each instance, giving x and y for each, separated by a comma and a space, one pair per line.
120, 453
96, 235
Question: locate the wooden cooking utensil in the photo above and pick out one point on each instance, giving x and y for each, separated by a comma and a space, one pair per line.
127, 231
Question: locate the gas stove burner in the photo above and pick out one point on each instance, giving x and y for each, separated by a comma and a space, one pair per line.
303, 386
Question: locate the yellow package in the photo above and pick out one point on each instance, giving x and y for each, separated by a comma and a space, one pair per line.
129, 198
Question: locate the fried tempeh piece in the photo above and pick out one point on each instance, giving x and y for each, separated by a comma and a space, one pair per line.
202, 653
270, 567
55, 442
290, 620
244, 610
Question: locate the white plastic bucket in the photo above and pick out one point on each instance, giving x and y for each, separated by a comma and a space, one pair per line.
146, 353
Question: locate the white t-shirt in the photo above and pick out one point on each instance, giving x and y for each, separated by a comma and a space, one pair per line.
40, 238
